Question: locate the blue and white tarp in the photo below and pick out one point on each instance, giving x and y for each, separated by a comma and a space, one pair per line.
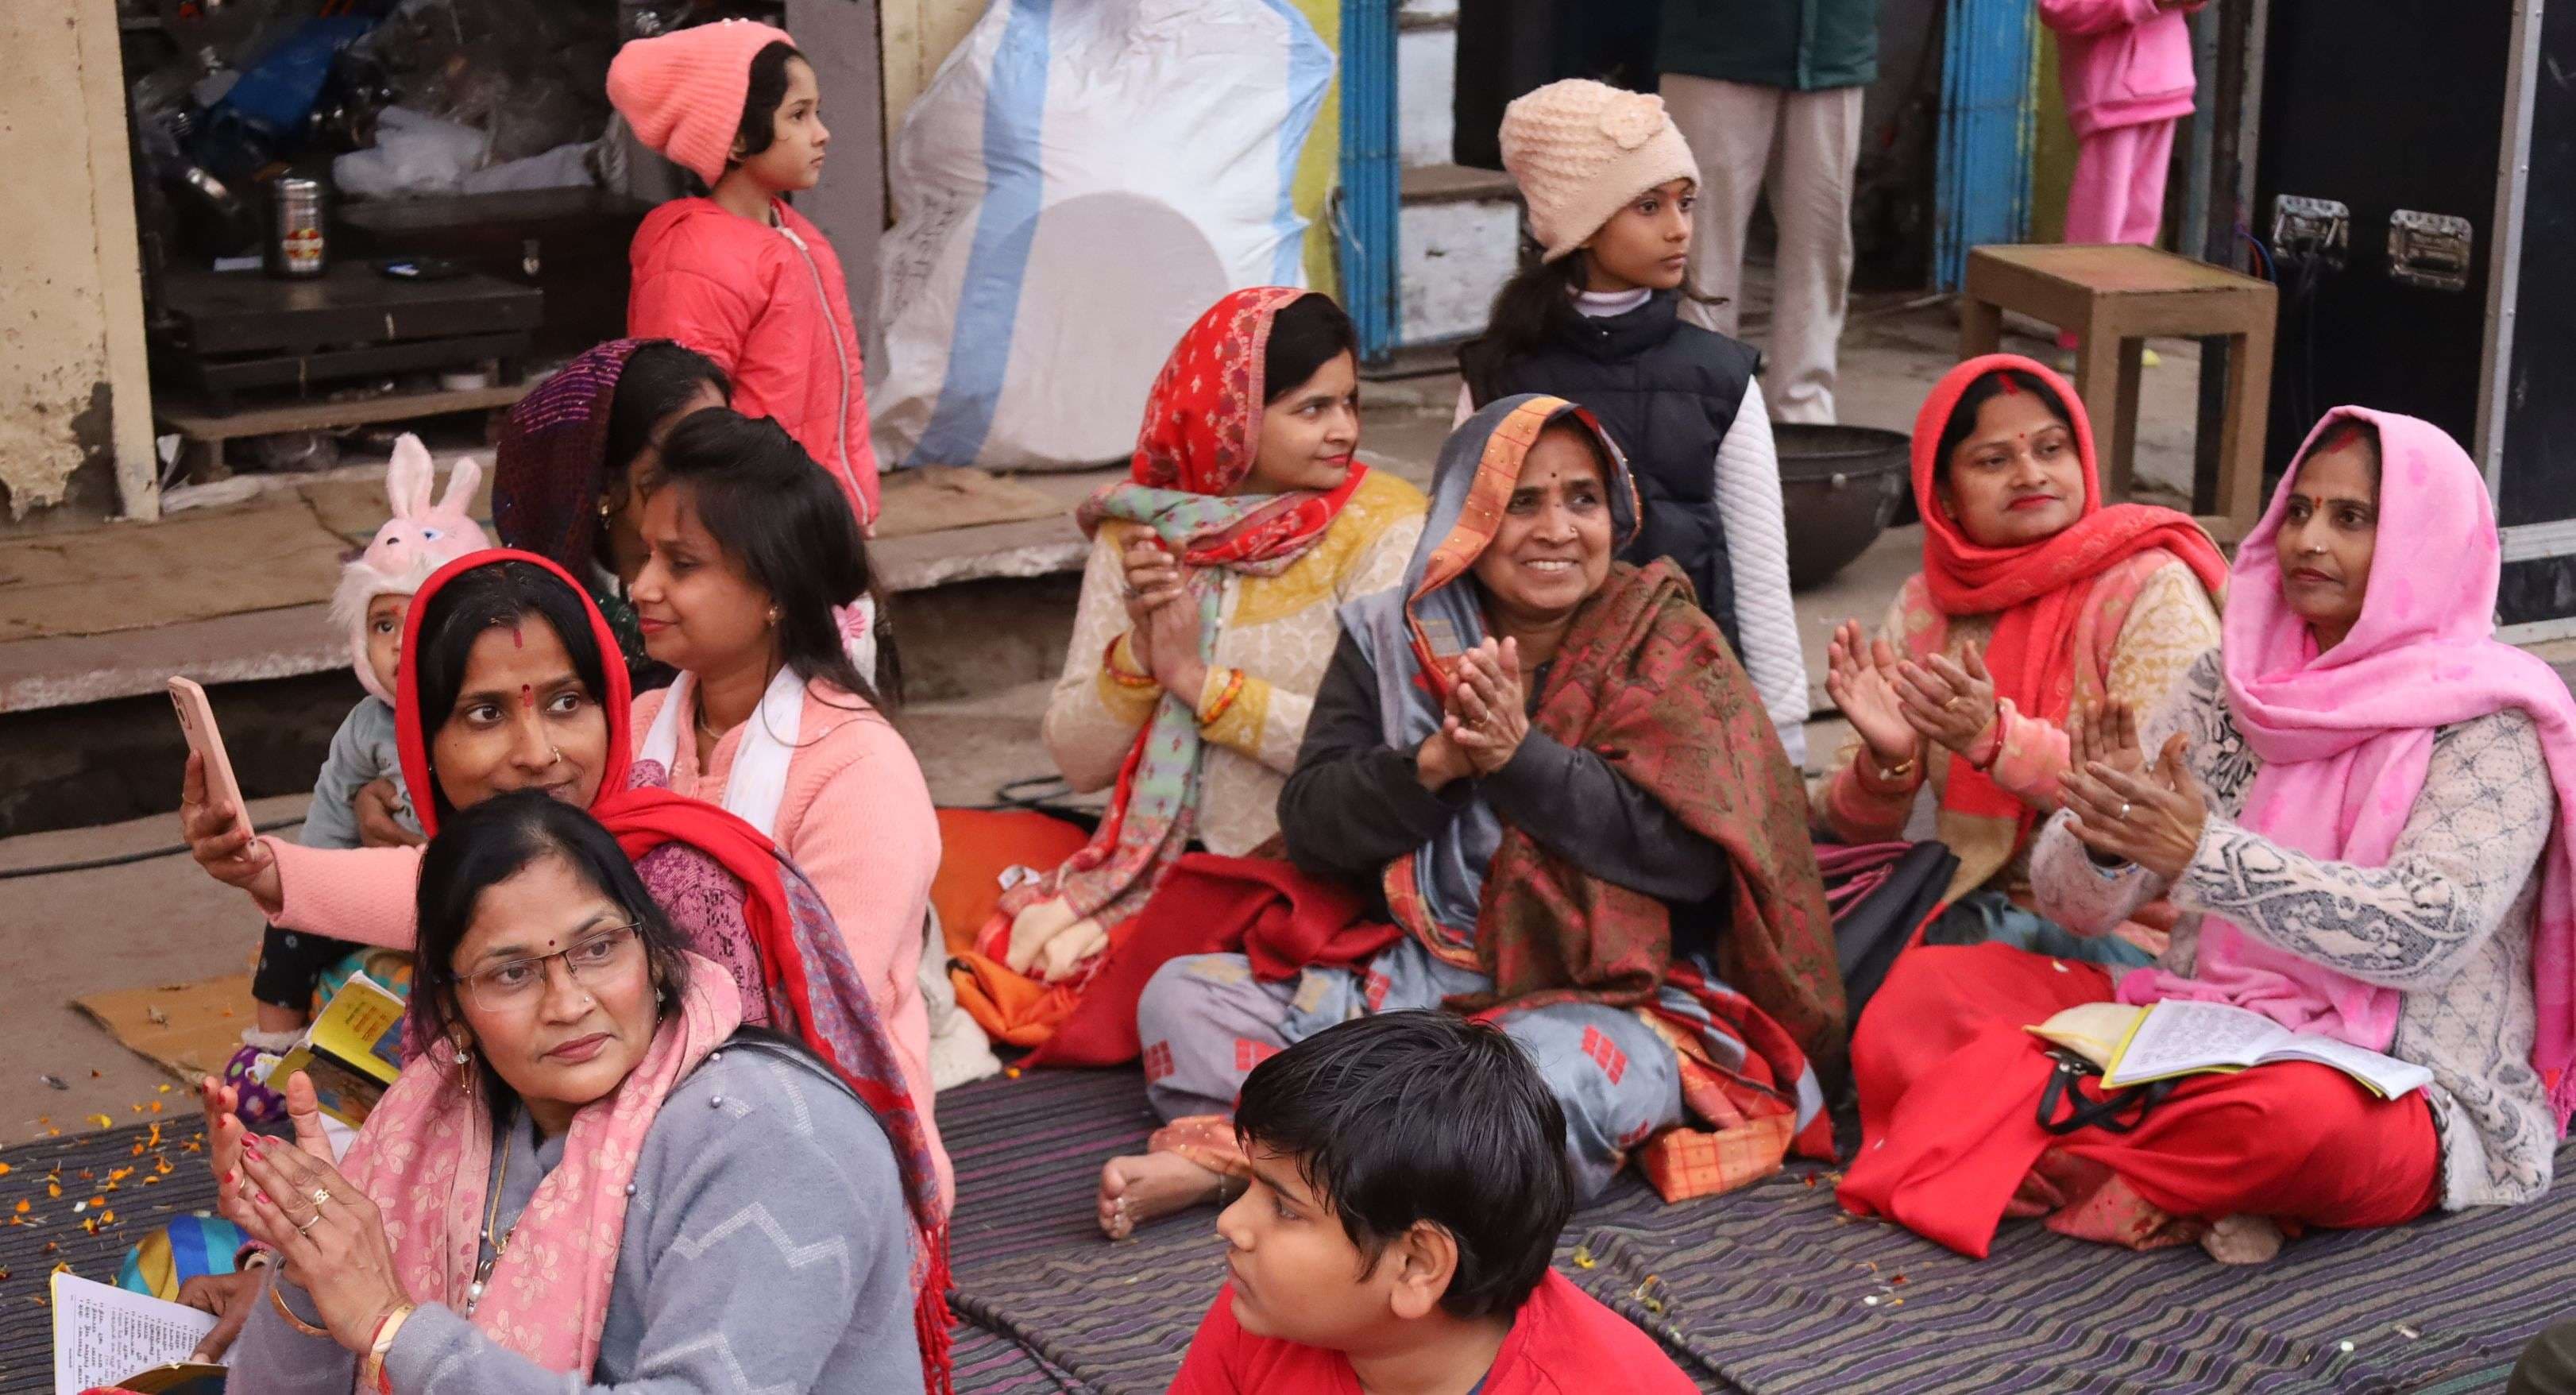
1079, 180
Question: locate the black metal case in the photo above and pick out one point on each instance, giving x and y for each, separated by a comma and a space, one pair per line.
2415, 198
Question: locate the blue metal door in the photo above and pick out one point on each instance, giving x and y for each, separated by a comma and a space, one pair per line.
1365, 226
1986, 114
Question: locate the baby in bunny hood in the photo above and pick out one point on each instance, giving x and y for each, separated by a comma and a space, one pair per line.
375, 589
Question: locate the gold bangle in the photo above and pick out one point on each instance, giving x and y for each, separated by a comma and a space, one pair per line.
1889, 774
371, 1371
277, 1300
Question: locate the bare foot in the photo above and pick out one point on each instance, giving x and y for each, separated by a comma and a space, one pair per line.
2242, 1240
1149, 1186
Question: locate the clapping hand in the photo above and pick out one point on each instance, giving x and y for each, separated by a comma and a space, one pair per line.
1948, 701
328, 1232
1488, 712
2151, 818
1164, 621
2104, 733
1858, 678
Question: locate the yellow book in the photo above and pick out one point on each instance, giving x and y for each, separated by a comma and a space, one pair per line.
352, 1052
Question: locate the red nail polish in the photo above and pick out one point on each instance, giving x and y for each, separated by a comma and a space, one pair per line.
264, 1201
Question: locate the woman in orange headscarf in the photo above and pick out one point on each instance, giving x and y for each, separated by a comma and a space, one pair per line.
2034, 598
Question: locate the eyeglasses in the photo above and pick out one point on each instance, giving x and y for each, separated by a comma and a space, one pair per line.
594, 961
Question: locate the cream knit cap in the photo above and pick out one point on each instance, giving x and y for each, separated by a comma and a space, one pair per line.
1581, 150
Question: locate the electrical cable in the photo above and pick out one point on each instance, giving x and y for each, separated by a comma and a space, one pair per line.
126, 859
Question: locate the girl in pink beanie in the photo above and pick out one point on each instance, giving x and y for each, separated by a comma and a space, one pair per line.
737, 274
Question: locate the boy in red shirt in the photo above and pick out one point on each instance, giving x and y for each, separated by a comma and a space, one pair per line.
1408, 1184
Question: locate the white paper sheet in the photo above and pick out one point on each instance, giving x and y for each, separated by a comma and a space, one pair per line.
102, 1333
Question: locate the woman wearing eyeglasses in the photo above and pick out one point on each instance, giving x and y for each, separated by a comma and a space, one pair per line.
505, 686
593, 1169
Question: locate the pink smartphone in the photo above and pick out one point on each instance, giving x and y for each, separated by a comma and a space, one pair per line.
197, 719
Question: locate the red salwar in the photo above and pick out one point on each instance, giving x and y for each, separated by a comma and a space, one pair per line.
1949, 1096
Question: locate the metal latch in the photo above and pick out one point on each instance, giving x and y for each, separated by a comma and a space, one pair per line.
2317, 228
2429, 249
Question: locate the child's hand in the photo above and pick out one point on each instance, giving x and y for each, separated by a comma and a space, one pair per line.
374, 805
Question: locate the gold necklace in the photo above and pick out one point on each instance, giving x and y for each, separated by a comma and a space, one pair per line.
491, 1219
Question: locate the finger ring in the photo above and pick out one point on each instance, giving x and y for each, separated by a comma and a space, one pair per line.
1954, 704
320, 1195
305, 1227
2124, 811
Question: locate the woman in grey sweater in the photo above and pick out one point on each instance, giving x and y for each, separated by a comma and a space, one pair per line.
592, 1178
2356, 807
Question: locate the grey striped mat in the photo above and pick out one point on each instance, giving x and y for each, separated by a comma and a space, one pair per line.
1769, 1291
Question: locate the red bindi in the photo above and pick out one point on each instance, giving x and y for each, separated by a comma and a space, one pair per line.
528, 694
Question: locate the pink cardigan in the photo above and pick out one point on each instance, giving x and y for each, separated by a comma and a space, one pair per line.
2120, 62
857, 819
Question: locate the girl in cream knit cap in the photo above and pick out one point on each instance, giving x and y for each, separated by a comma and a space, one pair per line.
1593, 316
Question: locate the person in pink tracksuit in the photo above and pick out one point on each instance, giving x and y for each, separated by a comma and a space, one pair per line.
738, 275
2125, 66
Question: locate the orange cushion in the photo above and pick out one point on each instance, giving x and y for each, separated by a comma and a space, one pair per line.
977, 846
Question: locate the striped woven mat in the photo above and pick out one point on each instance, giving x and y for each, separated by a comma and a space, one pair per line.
1775, 1291
1771, 1291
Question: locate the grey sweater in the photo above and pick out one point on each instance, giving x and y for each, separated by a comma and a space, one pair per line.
2447, 922
767, 1249
362, 751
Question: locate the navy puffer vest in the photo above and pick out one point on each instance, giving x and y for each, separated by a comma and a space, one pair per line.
1666, 392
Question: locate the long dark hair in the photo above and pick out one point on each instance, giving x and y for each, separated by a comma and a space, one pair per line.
487, 845
762, 98
476, 600
1308, 333
1535, 308
773, 510
1984, 389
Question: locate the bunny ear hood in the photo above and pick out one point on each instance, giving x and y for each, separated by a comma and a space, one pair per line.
414, 543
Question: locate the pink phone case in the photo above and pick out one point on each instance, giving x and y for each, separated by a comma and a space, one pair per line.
197, 720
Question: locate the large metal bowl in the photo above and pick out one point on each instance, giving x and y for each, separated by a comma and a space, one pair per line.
1839, 486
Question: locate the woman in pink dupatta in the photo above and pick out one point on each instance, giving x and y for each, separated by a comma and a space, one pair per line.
2358, 805
594, 1172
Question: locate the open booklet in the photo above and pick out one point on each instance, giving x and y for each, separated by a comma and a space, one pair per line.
352, 1053
106, 1336
2179, 1037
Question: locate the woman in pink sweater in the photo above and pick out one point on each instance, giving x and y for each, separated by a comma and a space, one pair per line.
2125, 66
748, 552
506, 657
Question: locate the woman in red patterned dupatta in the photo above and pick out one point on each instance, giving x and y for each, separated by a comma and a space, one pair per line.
1206, 620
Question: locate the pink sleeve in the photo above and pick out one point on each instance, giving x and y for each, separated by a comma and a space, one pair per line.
361, 894
2031, 762
2094, 16
868, 839
699, 311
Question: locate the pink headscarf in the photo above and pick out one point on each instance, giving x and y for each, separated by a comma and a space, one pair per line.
425, 1159
2346, 735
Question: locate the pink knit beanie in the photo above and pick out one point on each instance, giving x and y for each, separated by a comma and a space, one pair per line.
683, 91
1581, 150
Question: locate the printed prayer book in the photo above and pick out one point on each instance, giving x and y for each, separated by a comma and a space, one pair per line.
2179, 1037
106, 1336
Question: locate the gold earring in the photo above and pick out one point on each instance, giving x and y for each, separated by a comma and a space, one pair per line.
773, 617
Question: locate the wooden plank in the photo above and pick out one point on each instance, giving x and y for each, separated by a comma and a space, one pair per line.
198, 424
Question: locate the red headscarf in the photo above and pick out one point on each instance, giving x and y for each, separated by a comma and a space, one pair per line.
2035, 591
802, 970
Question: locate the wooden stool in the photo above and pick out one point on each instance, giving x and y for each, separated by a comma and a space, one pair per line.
2112, 297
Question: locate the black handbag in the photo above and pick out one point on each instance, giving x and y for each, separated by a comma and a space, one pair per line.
2064, 1109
